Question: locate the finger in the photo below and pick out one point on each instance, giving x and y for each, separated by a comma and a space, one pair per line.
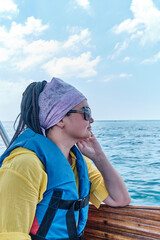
83, 141
80, 145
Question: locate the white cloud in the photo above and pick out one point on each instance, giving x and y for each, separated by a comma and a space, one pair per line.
15, 37
84, 4
75, 39
79, 67
37, 52
124, 75
14, 42
19, 47
4, 54
8, 6
145, 23
40, 51
119, 47
32, 26
154, 59
117, 76
28, 62
126, 59
42, 47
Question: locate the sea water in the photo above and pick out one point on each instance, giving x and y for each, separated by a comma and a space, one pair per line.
133, 148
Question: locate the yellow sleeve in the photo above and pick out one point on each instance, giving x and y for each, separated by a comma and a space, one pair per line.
22, 183
98, 191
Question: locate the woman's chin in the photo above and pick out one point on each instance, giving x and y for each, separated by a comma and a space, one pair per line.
89, 133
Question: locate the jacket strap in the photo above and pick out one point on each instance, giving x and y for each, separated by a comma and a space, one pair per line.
70, 217
79, 204
50, 213
57, 203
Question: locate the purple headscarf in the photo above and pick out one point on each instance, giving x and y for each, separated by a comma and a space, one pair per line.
56, 99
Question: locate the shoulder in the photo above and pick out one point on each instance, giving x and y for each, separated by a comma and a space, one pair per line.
26, 164
21, 158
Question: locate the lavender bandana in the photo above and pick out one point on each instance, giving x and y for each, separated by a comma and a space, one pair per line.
56, 99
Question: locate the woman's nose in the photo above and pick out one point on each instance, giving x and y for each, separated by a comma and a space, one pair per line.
91, 120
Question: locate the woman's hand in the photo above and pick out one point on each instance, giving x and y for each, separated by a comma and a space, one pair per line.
90, 147
118, 194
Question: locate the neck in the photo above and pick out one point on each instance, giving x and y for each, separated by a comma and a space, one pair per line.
65, 144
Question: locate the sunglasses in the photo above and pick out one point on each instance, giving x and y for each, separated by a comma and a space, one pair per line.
86, 111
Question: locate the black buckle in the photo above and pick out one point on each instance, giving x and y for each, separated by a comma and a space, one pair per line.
79, 204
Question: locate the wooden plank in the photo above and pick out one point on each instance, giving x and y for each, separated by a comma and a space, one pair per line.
127, 223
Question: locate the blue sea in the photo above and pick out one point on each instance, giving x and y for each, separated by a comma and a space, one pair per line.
133, 148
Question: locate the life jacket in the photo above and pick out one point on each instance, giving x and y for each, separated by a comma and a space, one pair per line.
62, 213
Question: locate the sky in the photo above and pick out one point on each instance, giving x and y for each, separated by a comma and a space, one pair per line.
109, 50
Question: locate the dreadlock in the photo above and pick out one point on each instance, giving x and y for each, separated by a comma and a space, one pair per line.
29, 116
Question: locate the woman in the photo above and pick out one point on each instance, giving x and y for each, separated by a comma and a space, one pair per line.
46, 182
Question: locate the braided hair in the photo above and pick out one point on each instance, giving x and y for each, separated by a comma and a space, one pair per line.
29, 116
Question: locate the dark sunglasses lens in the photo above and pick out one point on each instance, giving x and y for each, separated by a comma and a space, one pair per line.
87, 115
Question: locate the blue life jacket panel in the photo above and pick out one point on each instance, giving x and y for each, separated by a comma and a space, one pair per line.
62, 213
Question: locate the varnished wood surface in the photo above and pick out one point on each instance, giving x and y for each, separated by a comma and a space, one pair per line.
126, 223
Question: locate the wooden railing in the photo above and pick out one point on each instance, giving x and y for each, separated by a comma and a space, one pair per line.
126, 223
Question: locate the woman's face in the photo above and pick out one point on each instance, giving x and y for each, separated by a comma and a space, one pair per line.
75, 124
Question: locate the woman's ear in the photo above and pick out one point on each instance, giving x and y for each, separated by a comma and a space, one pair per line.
60, 124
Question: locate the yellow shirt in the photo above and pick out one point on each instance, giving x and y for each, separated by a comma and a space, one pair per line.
23, 181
